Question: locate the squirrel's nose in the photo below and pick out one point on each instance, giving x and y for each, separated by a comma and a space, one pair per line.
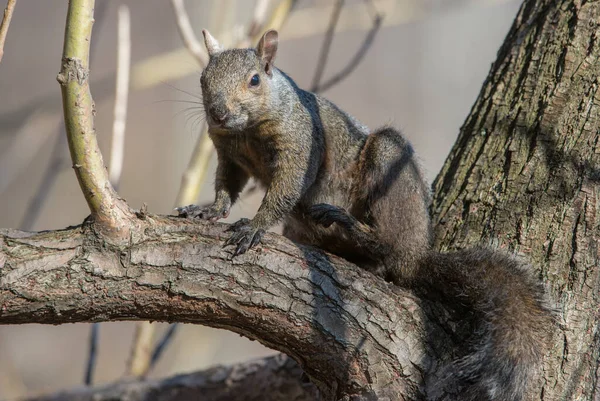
218, 114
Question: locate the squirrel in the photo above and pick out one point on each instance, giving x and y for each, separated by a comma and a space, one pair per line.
361, 195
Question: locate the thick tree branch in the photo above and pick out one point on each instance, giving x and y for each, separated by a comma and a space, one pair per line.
276, 378
351, 332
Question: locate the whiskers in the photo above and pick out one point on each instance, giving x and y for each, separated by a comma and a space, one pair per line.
193, 112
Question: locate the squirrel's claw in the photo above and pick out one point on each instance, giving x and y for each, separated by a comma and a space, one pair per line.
238, 225
244, 236
210, 213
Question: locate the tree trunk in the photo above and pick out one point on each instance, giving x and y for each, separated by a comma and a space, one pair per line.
524, 175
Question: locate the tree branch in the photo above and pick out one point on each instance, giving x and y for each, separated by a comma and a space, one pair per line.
276, 378
59, 159
8, 12
187, 33
106, 207
322, 61
356, 59
351, 332
121, 95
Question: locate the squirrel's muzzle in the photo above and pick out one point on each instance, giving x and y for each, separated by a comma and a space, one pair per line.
218, 114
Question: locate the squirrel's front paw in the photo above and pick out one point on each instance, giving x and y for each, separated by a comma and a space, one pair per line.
325, 214
245, 236
212, 212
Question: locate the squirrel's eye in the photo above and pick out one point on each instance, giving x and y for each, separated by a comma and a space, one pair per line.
255, 80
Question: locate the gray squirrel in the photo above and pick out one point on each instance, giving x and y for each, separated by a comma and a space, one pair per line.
361, 195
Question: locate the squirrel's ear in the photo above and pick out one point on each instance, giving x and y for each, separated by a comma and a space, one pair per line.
212, 46
267, 48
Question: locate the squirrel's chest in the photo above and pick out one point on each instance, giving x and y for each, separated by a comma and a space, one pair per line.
255, 156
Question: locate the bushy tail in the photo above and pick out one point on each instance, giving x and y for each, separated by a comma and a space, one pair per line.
513, 324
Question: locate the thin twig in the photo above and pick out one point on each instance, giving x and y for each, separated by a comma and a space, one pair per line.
335, 16
143, 338
28, 140
193, 177
162, 344
141, 352
11, 382
8, 12
59, 161
372, 8
176, 64
259, 17
187, 33
110, 213
92, 354
355, 61
121, 95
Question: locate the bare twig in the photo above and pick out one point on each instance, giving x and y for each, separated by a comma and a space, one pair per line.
11, 382
92, 354
179, 63
121, 95
59, 161
372, 8
335, 16
111, 213
193, 177
141, 352
28, 140
187, 33
162, 344
355, 61
278, 17
118, 143
8, 12
259, 17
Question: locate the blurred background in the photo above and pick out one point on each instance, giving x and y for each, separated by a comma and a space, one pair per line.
421, 73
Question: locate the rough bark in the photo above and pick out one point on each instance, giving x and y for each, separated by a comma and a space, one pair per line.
352, 333
276, 378
524, 174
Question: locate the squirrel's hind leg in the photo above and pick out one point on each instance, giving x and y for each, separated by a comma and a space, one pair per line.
361, 234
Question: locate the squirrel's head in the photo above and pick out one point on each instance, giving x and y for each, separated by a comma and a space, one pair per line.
236, 83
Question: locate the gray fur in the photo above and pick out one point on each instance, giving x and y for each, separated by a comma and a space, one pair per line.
362, 196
